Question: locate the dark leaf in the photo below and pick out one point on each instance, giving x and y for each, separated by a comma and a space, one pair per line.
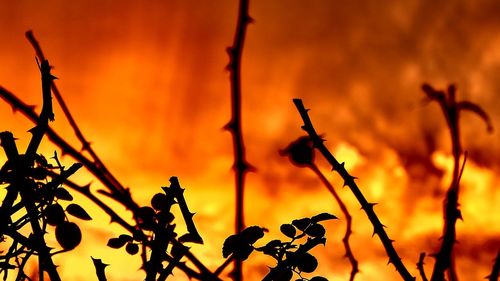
132, 248
235, 245
251, 234
323, 217
281, 274
145, 214
54, 214
316, 230
126, 237
306, 262
229, 245
271, 248
301, 224
68, 235
63, 194
116, 243
77, 211
288, 230
242, 252
318, 278
165, 217
188, 237
160, 202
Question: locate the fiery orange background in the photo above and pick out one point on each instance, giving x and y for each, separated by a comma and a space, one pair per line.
146, 82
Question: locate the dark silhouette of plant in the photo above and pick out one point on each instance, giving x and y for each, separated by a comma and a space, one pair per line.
150, 224
378, 227
240, 165
27, 176
158, 219
451, 109
301, 154
290, 256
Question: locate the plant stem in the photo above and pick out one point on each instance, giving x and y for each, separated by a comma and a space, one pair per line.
420, 266
348, 231
240, 166
349, 181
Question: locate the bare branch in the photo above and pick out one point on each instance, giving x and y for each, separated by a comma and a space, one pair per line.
349, 181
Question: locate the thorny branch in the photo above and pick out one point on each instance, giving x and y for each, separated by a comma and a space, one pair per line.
451, 109
116, 188
240, 166
29, 112
349, 181
94, 165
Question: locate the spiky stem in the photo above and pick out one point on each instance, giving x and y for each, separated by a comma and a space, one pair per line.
240, 166
349, 181
451, 110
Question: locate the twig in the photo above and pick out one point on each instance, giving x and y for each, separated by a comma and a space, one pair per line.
240, 166
349, 181
95, 169
348, 231
451, 110
119, 192
45, 259
420, 266
178, 193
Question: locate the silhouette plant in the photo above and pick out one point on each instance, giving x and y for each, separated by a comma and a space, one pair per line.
26, 175
290, 257
240, 165
451, 110
301, 154
42, 191
140, 229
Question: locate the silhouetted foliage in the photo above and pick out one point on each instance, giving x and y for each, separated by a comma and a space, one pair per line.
38, 202
291, 257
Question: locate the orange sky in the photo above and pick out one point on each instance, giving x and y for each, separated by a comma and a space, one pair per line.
146, 83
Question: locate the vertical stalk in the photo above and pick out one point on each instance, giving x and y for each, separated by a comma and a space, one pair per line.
451, 212
240, 166
23, 183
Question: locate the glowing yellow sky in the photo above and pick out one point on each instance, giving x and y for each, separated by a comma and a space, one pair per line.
146, 83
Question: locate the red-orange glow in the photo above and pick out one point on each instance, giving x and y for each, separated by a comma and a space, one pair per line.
146, 83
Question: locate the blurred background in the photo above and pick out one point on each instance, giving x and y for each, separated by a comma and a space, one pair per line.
146, 82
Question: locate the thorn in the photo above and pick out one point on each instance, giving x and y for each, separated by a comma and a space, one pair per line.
229, 126
86, 146
249, 19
